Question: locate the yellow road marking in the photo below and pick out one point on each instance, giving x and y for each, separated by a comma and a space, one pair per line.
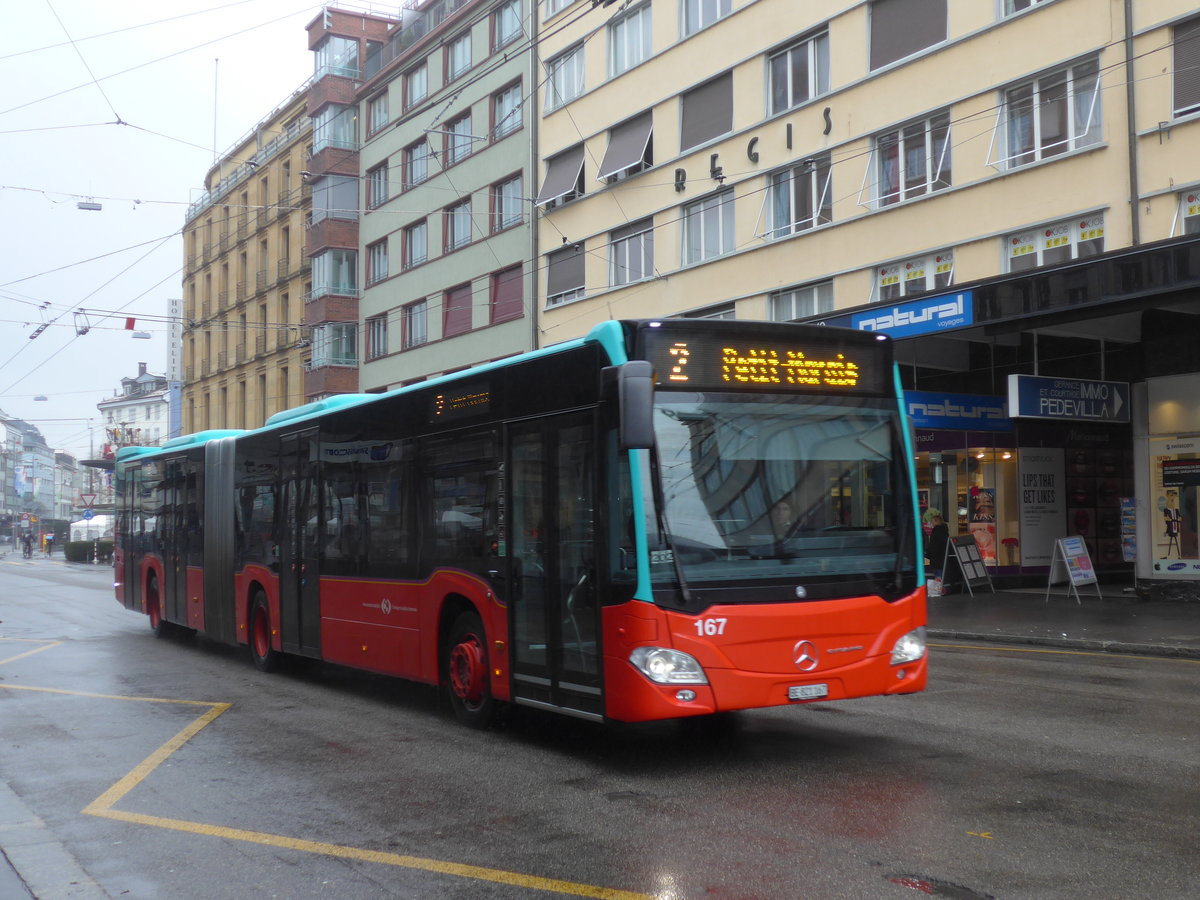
987, 645
981, 834
46, 645
102, 807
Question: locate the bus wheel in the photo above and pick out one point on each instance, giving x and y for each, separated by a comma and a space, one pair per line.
264, 657
467, 672
160, 626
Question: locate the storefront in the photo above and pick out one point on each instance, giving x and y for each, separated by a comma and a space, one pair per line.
1043, 410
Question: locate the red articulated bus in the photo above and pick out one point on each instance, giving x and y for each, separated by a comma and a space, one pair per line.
661, 519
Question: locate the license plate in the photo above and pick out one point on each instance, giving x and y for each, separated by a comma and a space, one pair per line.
808, 691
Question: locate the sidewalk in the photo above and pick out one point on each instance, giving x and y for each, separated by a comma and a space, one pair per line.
1116, 622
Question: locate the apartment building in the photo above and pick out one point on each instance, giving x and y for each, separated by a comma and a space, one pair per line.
245, 275
445, 167
1008, 187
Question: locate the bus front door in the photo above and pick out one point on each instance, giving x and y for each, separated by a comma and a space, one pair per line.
554, 605
299, 573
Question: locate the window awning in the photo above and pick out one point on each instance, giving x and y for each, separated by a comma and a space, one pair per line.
626, 146
562, 174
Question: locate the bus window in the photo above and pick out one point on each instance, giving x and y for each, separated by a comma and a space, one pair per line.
462, 500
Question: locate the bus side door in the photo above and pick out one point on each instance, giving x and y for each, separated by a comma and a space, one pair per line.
555, 609
299, 529
175, 539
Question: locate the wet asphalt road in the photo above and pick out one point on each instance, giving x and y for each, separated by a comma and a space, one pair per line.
1020, 773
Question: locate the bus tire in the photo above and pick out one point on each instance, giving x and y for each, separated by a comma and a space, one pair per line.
160, 626
262, 654
466, 675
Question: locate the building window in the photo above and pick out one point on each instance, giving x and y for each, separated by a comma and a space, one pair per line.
630, 149
334, 344
1055, 113
698, 14
414, 319
334, 126
707, 111
458, 225
458, 139
797, 303
416, 163
716, 311
506, 296
555, 6
798, 72
900, 28
377, 113
334, 272
416, 85
914, 159
564, 78
377, 334
708, 227
1187, 68
564, 178
914, 276
1057, 243
801, 197
631, 253
506, 111
458, 56
1189, 212
629, 40
377, 261
564, 275
506, 24
336, 56
456, 313
507, 202
335, 197
377, 186
416, 244
1015, 6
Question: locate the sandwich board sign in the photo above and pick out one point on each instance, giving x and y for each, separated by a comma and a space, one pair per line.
1073, 564
964, 551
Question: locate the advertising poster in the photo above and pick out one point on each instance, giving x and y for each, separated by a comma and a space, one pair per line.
1042, 486
982, 519
1175, 487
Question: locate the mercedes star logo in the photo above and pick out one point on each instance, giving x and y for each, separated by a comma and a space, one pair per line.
804, 655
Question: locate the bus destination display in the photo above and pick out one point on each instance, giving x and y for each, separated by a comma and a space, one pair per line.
763, 365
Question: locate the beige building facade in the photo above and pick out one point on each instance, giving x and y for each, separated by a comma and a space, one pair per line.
245, 275
1010, 188
801, 158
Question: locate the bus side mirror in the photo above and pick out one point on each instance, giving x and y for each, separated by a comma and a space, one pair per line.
635, 394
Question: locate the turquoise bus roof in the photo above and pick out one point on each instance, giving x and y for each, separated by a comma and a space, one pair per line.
609, 335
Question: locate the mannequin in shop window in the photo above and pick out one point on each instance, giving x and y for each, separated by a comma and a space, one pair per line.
1173, 519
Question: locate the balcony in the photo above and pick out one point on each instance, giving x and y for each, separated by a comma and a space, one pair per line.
260, 281
282, 268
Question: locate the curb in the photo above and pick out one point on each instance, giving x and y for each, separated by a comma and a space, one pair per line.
1167, 651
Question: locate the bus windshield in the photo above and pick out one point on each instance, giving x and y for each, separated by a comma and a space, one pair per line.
806, 492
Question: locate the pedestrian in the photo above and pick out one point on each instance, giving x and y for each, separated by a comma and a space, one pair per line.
935, 550
49, 544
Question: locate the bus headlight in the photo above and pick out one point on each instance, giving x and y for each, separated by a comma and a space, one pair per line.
909, 648
664, 666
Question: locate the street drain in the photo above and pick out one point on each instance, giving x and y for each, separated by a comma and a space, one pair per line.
936, 888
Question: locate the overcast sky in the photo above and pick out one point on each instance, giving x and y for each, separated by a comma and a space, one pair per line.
184, 77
